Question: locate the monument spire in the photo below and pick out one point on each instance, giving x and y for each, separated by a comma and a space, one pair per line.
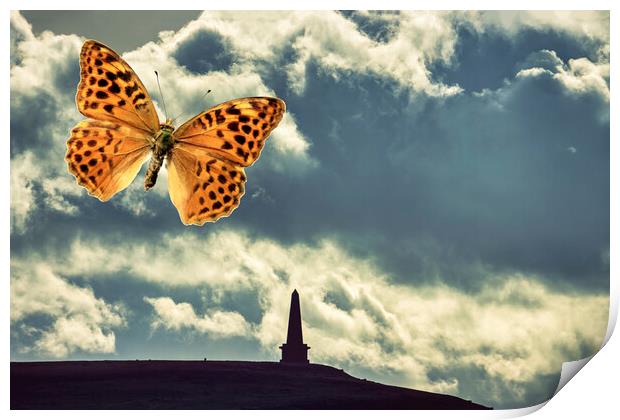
294, 350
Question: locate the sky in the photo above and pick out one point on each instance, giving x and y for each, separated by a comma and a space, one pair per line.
437, 192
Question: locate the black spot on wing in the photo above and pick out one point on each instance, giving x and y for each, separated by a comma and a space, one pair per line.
138, 97
114, 88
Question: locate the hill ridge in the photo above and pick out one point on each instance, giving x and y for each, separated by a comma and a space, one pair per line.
208, 384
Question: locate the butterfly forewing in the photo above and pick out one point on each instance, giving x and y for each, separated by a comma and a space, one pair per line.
234, 131
203, 188
105, 156
110, 90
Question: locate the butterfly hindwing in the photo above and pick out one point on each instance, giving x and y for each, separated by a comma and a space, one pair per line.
105, 157
110, 90
203, 188
235, 130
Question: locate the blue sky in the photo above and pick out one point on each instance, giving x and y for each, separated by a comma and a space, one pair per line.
438, 193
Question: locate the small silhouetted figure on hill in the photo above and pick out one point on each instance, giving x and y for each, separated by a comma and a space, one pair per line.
294, 350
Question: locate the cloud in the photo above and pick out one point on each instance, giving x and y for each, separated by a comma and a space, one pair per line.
332, 41
44, 62
589, 24
505, 38
423, 173
179, 316
578, 76
68, 335
56, 192
31, 191
21, 31
137, 202
22, 194
41, 113
511, 331
370, 42
79, 320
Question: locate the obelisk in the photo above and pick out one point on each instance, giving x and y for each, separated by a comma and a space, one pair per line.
294, 350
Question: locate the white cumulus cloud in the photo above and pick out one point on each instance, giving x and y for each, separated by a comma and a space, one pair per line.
178, 316
578, 76
336, 45
582, 23
80, 320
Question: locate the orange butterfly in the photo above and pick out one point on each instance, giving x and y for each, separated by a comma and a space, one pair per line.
205, 156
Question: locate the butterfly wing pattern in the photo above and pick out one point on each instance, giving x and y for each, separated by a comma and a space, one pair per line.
106, 152
205, 160
105, 157
205, 175
110, 90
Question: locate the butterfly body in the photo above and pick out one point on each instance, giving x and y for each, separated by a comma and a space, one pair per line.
162, 145
205, 156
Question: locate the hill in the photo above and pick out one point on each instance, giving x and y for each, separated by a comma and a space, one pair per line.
207, 385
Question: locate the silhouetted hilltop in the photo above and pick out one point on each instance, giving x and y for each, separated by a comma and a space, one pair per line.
207, 385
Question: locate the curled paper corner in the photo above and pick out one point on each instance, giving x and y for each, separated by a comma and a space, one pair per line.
570, 369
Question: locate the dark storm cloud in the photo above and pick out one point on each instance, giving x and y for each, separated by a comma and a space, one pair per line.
460, 179
67, 77
456, 181
205, 51
41, 106
500, 183
471, 64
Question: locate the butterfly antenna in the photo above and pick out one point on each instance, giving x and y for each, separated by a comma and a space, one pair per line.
161, 94
175, 118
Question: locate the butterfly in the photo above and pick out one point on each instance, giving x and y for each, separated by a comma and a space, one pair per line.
205, 157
